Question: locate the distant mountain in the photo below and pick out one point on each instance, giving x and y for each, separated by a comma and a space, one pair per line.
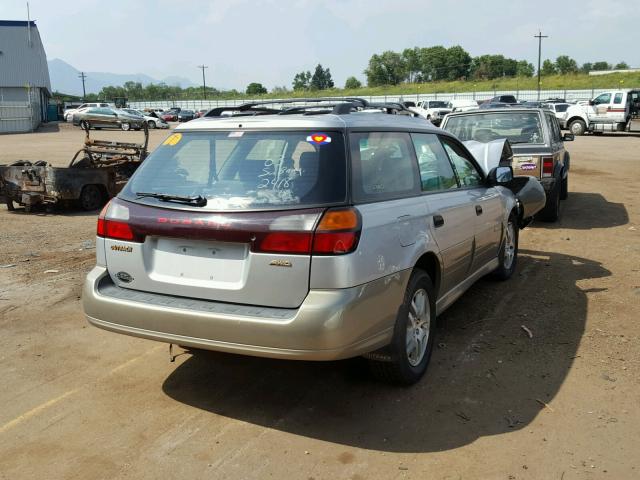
64, 79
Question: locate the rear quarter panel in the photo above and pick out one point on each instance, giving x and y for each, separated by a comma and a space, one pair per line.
394, 235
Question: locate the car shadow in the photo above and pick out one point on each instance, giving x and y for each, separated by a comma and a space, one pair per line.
68, 210
487, 376
586, 211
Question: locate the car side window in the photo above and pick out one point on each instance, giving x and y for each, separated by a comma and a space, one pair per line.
384, 166
436, 172
555, 133
618, 98
602, 99
466, 171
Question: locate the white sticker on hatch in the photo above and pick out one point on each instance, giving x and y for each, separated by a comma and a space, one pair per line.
235, 134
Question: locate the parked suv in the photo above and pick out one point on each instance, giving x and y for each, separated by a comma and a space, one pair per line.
315, 233
537, 142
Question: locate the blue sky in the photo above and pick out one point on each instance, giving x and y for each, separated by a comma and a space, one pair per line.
269, 41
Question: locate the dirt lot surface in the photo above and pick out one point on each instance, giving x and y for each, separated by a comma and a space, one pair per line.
81, 403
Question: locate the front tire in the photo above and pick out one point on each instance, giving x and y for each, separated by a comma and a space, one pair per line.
84, 125
152, 124
406, 359
508, 255
578, 127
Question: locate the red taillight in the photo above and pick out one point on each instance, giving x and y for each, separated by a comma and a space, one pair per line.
335, 243
337, 233
118, 230
547, 166
284, 242
115, 229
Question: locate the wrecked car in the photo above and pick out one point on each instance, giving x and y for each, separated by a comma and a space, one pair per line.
96, 173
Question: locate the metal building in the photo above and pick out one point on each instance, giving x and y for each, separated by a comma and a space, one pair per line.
25, 87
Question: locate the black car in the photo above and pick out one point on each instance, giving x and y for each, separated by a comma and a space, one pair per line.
186, 115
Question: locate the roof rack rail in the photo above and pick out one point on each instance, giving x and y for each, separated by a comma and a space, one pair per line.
308, 106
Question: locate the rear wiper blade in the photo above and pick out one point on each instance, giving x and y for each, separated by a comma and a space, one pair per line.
198, 201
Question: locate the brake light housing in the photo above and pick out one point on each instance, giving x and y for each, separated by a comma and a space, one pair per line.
112, 224
337, 233
547, 166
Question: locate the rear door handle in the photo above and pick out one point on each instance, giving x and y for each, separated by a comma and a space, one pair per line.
438, 221
478, 210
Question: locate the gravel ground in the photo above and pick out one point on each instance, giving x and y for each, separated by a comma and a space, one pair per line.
78, 402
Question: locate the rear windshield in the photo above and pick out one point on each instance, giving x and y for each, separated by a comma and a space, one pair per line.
242, 170
517, 127
562, 107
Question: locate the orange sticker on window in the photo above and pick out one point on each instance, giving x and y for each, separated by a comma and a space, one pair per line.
173, 139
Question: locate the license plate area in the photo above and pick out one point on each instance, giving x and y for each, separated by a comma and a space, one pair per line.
198, 262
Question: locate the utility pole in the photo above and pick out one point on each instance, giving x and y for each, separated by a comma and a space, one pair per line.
204, 84
539, 37
84, 92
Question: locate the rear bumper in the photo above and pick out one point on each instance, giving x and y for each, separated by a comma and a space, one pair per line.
329, 325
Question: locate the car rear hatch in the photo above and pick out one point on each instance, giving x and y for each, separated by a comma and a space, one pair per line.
226, 216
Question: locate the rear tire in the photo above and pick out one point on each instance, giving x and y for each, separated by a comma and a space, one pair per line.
151, 124
84, 125
405, 360
564, 188
508, 255
578, 127
10, 205
91, 198
125, 126
551, 211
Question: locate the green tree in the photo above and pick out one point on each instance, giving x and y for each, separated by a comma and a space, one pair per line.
433, 63
566, 64
386, 69
457, 63
586, 67
352, 83
598, 66
321, 79
548, 68
255, 88
280, 90
525, 69
411, 58
621, 66
302, 81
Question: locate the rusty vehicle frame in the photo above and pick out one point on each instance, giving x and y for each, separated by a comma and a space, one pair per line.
96, 173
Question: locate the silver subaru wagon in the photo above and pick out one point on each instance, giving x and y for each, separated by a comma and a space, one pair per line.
320, 231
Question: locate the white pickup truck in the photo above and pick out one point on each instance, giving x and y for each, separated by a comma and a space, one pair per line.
608, 112
433, 110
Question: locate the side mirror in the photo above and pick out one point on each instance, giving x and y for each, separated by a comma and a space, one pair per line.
592, 103
568, 137
500, 176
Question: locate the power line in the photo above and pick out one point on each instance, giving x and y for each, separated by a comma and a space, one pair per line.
539, 37
84, 92
204, 84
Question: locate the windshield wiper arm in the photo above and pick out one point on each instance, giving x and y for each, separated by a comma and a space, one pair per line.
198, 201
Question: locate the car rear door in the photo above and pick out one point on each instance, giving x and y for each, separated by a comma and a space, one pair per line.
484, 203
450, 212
618, 110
